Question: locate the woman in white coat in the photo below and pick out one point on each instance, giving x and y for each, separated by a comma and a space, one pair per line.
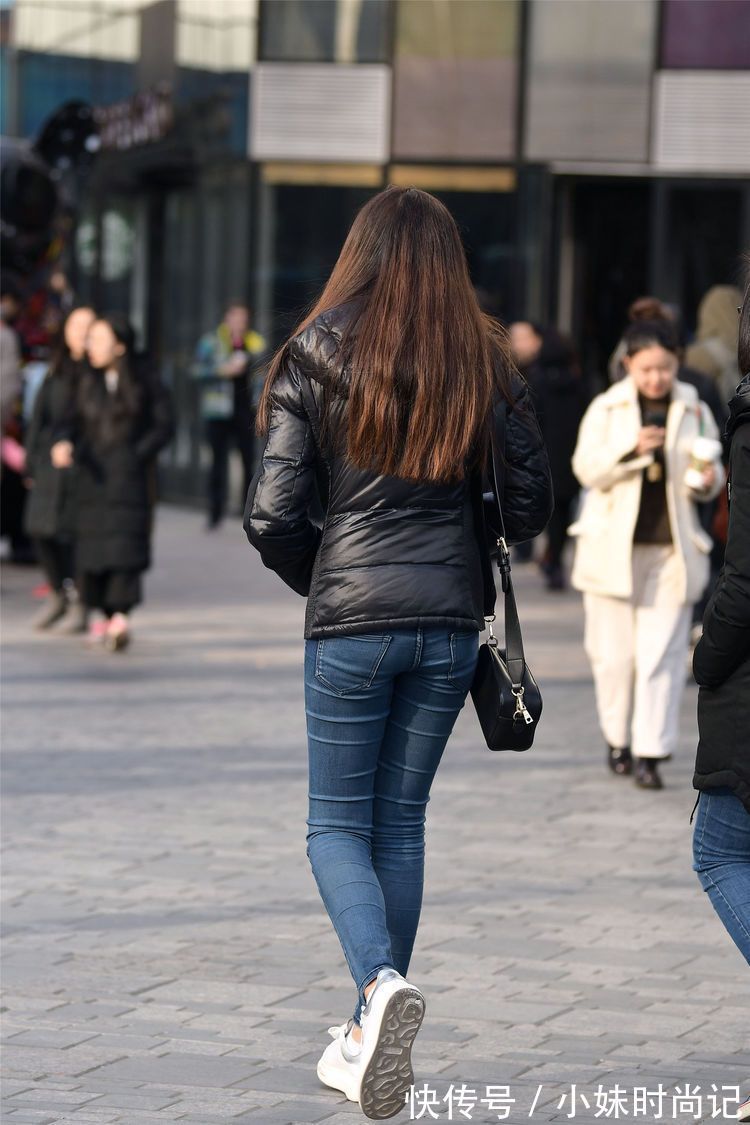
642, 557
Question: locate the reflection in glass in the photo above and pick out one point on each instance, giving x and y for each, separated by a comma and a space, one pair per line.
343, 31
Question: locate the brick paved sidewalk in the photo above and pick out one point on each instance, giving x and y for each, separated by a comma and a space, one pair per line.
166, 955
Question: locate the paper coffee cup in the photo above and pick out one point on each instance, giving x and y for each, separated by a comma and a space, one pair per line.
704, 453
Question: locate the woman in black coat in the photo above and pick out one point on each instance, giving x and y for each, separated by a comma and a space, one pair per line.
721, 663
50, 511
548, 363
381, 404
123, 418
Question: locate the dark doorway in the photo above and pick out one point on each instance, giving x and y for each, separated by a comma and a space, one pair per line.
611, 235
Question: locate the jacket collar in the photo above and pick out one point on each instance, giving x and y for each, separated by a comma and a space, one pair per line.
739, 407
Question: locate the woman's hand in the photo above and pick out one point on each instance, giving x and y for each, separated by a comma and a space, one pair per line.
233, 367
650, 438
709, 478
61, 454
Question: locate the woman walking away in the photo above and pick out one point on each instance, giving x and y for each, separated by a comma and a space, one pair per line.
721, 840
123, 418
648, 453
50, 510
382, 400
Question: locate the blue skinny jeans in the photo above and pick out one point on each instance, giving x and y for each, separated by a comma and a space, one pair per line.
380, 708
721, 858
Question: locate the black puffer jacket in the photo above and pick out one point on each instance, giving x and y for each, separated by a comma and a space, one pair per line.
391, 553
115, 453
51, 508
722, 656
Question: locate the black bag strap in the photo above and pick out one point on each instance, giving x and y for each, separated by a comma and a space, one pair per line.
514, 656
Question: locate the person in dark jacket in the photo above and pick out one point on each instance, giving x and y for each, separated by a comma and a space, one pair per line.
382, 403
721, 664
123, 418
50, 511
547, 361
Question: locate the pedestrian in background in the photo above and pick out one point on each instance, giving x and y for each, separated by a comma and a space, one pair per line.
12, 490
651, 309
225, 363
50, 513
383, 399
123, 419
714, 351
547, 361
647, 453
721, 663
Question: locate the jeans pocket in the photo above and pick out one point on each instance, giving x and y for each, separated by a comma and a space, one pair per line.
464, 649
350, 663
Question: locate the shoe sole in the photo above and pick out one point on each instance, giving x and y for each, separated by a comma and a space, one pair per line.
388, 1075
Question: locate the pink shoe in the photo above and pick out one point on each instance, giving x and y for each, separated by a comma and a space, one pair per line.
117, 636
97, 632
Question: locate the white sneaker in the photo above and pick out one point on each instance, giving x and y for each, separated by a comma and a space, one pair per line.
339, 1067
743, 1113
390, 1021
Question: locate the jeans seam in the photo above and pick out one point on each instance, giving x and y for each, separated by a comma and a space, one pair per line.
418, 649
385, 644
703, 829
727, 903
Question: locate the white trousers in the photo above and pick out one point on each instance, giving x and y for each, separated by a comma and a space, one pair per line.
638, 651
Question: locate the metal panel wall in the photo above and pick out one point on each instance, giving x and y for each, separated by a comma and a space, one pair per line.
321, 112
701, 120
589, 79
455, 76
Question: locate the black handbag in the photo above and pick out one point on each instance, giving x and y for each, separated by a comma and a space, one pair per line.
506, 696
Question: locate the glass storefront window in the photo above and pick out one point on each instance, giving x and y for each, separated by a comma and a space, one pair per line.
345, 31
455, 70
304, 253
588, 86
705, 34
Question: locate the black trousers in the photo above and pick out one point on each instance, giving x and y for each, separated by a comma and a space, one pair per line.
111, 591
557, 529
222, 433
55, 556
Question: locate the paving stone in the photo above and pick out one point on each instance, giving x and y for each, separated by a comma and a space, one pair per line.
167, 954
182, 1069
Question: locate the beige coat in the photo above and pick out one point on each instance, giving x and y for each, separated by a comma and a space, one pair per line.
606, 524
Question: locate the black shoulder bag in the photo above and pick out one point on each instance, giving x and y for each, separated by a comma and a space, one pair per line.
505, 694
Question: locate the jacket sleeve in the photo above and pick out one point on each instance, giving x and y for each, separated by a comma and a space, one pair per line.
599, 460
725, 643
160, 429
528, 498
38, 429
205, 360
276, 517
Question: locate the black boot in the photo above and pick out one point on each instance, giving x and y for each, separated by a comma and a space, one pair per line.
54, 608
647, 774
619, 760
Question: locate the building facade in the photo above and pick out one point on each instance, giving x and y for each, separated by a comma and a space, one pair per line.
590, 150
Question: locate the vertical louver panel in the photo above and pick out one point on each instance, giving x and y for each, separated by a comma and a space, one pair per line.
702, 120
320, 112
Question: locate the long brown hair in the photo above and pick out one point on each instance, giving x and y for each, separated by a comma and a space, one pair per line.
424, 358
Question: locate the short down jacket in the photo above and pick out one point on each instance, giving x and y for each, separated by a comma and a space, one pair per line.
721, 661
391, 553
